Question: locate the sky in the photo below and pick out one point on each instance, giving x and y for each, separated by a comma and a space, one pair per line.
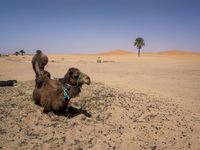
90, 26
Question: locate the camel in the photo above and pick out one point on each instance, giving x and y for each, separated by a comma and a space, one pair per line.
41, 59
54, 95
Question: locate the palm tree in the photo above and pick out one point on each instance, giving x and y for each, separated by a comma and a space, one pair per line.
139, 43
22, 52
16, 53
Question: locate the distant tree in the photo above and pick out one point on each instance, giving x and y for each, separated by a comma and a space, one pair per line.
139, 43
22, 52
16, 53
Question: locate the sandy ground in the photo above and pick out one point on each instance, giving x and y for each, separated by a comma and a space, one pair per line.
151, 102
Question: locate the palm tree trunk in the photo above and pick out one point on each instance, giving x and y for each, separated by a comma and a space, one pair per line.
138, 52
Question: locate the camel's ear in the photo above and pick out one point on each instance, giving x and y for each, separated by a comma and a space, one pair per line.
68, 75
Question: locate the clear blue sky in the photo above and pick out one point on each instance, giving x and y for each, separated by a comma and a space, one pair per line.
88, 26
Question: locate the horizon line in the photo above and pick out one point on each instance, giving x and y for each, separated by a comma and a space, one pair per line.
108, 51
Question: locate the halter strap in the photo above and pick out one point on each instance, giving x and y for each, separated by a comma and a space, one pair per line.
78, 79
77, 86
65, 93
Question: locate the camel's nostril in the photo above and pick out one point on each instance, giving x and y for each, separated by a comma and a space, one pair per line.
88, 80
85, 79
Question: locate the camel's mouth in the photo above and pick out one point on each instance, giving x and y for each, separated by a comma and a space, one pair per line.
88, 82
85, 79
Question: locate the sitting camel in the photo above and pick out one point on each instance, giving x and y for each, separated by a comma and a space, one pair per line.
54, 95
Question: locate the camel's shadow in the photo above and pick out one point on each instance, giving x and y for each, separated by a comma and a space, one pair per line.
73, 112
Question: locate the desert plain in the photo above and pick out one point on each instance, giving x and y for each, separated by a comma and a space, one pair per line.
148, 102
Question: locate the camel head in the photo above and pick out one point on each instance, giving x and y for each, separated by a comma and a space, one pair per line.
75, 77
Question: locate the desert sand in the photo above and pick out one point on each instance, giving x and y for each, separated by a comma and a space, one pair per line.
151, 102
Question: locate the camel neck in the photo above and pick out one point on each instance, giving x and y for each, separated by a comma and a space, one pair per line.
72, 91
65, 93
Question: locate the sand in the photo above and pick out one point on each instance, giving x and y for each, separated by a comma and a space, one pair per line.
151, 102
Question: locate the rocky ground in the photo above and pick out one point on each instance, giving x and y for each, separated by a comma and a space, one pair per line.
100, 118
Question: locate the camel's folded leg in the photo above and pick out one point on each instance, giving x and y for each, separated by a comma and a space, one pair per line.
46, 109
47, 106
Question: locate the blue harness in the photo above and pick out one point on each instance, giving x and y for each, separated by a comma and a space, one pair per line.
65, 91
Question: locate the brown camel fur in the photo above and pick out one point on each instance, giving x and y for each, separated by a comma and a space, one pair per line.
41, 59
51, 94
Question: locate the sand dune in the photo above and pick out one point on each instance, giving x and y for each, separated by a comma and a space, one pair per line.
115, 52
167, 52
151, 102
178, 52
